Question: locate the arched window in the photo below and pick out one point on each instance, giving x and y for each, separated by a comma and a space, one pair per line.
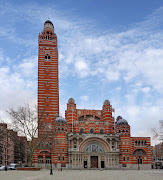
58, 130
135, 143
101, 131
41, 145
123, 131
47, 160
48, 145
124, 159
47, 57
119, 131
40, 160
91, 131
94, 148
139, 152
81, 130
81, 118
62, 130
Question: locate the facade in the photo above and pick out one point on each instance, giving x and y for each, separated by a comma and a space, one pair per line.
13, 148
84, 138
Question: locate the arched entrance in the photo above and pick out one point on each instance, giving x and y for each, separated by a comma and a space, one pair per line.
94, 149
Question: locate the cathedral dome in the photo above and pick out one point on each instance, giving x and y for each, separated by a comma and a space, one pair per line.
106, 102
71, 100
122, 122
61, 119
48, 21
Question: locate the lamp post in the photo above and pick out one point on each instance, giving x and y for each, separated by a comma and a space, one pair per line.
5, 158
51, 170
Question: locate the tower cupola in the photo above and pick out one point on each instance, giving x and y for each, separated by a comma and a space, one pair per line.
48, 25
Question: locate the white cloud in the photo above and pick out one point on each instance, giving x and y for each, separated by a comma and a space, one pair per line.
84, 98
81, 67
15, 87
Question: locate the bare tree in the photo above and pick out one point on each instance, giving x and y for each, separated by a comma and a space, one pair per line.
158, 133
25, 121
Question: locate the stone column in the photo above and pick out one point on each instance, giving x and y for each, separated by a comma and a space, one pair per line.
75, 160
99, 162
72, 156
88, 166
82, 161
105, 163
111, 144
116, 144
78, 161
69, 159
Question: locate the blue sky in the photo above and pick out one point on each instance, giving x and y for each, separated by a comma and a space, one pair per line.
108, 49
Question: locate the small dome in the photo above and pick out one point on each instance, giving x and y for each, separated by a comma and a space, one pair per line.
61, 119
48, 21
122, 122
106, 102
119, 117
71, 100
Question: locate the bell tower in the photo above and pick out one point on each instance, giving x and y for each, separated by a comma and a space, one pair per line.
48, 88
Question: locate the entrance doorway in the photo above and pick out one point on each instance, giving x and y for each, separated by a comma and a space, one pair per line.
102, 164
85, 164
94, 161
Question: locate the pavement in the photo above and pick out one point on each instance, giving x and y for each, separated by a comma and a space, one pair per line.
83, 175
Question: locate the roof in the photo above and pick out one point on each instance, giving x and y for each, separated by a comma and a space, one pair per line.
61, 119
48, 21
122, 122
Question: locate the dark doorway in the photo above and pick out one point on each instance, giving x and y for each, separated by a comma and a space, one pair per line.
102, 164
140, 161
94, 161
85, 164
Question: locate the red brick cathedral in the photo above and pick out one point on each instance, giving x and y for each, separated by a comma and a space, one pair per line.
85, 138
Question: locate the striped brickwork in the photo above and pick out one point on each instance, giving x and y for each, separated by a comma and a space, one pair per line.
48, 90
84, 127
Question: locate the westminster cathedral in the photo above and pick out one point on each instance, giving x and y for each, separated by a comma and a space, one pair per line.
85, 138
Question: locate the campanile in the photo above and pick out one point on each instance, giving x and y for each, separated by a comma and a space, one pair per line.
48, 90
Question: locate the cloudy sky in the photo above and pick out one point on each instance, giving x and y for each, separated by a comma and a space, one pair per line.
108, 49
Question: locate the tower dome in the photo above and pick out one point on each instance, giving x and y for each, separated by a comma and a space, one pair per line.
48, 21
71, 100
60, 119
48, 24
122, 122
106, 102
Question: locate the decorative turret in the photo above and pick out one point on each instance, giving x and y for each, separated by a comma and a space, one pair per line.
123, 127
71, 113
61, 140
107, 116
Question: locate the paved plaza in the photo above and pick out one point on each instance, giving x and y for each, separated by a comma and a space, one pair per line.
83, 175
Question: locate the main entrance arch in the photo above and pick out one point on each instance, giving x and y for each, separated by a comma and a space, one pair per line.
94, 149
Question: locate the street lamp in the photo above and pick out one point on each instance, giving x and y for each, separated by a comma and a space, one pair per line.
51, 170
5, 158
